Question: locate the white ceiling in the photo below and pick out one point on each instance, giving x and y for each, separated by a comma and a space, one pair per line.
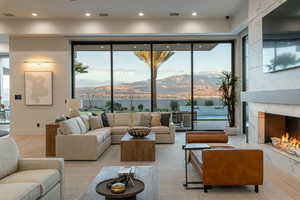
120, 8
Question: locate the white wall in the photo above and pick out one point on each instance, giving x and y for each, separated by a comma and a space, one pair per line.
24, 118
239, 20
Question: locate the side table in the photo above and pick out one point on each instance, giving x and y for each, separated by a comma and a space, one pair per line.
189, 147
51, 132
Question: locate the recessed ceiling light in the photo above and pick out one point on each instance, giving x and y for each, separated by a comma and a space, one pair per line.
194, 14
141, 14
34, 14
88, 14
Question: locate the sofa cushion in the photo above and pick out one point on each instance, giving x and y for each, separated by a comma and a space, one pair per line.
9, 156
160, 129
122, 119
69, 126
96, 122
83, 128
101, 133
145, 120
136, 119
110, 119
20, 191
86, 121
46, 178
119, 130
155, 119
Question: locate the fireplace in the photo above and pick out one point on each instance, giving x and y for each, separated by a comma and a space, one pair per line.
282, 132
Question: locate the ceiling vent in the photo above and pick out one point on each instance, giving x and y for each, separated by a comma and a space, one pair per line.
103, 14
8, 15
174, 14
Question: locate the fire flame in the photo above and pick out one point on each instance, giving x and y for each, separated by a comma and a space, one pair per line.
290, 141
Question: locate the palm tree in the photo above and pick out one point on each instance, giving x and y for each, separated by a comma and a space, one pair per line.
79, 67
158, 57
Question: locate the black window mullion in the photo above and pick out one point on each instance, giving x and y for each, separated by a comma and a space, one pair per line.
151, 74
192, 84
111, 78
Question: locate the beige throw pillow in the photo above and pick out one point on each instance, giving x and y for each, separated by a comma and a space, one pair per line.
86, 121
145, 120
83, 128
155, 120
96, 122
69, 126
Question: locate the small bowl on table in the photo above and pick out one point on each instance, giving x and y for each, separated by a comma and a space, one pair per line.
139, 132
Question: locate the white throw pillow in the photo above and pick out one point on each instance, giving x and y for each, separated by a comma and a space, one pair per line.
96, 122
86, 121
83, 128
9, 156
69, 126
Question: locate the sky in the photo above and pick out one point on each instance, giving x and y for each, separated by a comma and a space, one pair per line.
128, 68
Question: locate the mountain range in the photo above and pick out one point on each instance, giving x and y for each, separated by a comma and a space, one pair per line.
172, 87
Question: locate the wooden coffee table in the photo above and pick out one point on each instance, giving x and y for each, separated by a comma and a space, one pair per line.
143, 173
138, 149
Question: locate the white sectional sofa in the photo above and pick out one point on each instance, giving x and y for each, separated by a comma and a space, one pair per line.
29, 178
76, 141
120, 122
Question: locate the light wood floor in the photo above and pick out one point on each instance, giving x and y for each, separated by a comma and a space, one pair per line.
278, 184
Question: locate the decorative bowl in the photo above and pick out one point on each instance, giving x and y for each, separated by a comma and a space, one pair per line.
139, 132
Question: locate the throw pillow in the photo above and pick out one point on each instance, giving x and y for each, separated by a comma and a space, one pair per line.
96, 122
81, 125
165, 119
145, 120
69, 126
104, 120
155, 120
86, 121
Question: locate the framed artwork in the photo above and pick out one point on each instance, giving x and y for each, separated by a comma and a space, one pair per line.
38, 88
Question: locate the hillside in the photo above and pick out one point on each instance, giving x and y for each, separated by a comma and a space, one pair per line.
173, 87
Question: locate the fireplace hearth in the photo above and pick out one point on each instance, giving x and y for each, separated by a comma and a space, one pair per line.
282, 132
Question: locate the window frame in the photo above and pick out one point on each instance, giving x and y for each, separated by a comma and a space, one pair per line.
111, 43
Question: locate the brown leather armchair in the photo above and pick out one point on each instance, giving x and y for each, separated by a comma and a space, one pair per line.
224, 164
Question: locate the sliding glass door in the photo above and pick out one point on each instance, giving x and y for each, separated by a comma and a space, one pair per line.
177, 77
210, 61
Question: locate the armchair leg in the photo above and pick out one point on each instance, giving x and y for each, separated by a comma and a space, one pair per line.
256, 188
205, 188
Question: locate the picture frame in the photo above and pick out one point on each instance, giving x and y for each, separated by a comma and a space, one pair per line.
38, 88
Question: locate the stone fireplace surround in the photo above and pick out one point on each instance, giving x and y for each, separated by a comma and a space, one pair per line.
280, 160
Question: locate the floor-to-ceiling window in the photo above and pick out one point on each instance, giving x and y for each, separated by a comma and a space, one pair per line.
92, 77
172, 81
182, 78
4, 90
132, 77
210, 60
